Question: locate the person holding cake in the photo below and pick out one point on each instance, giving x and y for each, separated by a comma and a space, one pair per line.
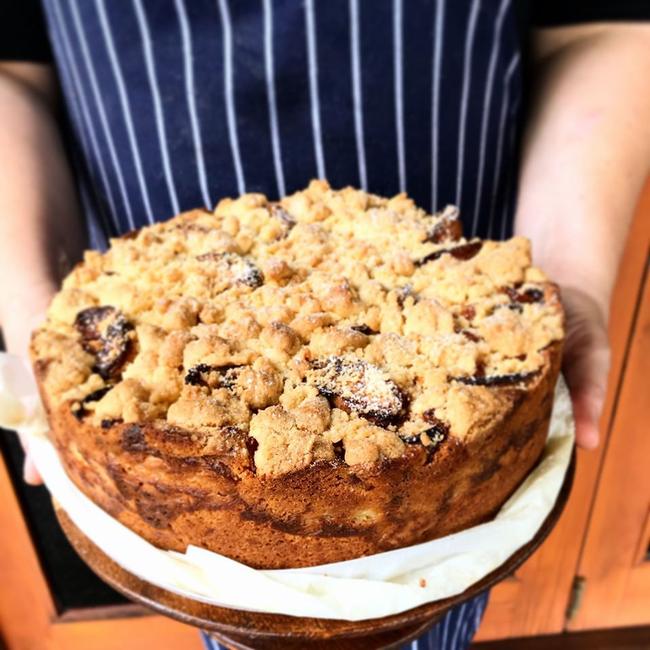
530, 116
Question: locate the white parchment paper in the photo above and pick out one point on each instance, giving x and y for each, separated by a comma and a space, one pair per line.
365, 588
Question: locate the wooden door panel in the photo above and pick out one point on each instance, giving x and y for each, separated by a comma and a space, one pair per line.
536, 602
614, 562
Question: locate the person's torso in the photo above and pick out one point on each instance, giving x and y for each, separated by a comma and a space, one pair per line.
175, 104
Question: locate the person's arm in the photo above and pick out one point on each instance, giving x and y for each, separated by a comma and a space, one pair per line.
586, 157
40, 229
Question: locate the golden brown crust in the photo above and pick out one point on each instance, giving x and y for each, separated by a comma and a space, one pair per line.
334, 375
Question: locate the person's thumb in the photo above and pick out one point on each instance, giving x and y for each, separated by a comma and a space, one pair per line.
586, 363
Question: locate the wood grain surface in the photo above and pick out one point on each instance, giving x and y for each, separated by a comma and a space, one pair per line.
615, 563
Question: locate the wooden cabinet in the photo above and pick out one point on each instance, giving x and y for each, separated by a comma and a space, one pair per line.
614, 567
592, 572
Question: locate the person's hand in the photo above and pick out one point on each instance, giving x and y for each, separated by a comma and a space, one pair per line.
585, 158
28, 302
586, 362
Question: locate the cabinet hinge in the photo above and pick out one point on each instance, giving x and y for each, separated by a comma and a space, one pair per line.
575, 600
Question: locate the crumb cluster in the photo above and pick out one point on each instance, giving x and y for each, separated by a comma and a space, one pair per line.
332, 325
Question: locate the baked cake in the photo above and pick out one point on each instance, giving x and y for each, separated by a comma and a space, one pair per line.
300, 382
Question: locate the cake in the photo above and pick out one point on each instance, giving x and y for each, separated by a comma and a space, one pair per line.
301, 382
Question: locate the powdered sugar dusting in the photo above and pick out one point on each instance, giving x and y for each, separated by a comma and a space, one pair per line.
360, 386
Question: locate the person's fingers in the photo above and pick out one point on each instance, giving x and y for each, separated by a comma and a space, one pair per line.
586, 364
30, 473
588, 404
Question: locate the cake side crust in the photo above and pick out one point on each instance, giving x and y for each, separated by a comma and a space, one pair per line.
325, 513
298, 382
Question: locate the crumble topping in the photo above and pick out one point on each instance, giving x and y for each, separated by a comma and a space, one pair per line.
331, 326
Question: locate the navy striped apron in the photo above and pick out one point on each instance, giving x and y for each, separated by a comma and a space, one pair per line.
174, 104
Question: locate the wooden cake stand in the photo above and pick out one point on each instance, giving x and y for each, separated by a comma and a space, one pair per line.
242, 630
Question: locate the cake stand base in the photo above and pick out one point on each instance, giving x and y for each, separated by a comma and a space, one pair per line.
243, 630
